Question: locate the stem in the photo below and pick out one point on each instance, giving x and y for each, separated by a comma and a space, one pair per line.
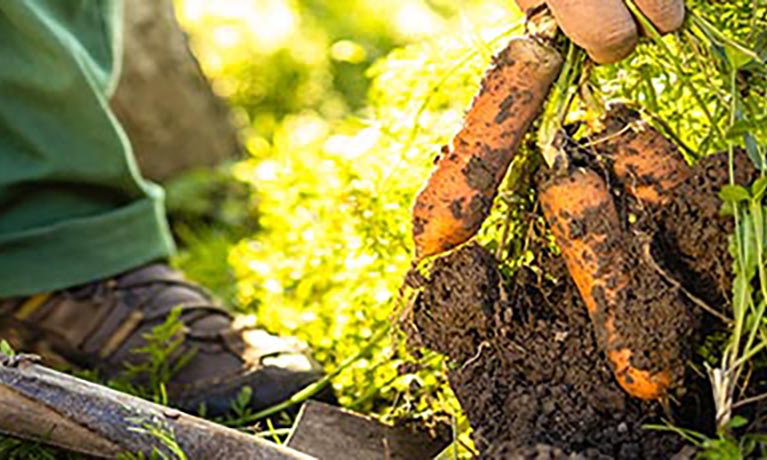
721, 39
750, 400
744, 301
658, 39
758, 222
746, 356
556, 110
704, 67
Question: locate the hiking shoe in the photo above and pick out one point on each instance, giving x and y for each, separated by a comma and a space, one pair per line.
101, 326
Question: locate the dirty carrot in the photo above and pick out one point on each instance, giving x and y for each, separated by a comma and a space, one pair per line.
646, 164
458, 196
585, 223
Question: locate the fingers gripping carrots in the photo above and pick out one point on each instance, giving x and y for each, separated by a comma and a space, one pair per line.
458, 195
615, 34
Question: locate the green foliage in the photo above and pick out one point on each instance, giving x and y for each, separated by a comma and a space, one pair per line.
749, 331
241, 405
160, 431
158, 363
334, 195
273, 59
209, 209
684, 79
162, 343
205, 257
203, 197
6, 349
737, 106
725, 446
15, 449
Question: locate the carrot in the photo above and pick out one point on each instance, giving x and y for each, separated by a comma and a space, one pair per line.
585, 223
646, 164
459, 194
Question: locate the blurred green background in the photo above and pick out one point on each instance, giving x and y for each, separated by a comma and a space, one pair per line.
342, 106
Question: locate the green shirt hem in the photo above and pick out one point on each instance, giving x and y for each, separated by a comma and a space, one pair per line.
81, 250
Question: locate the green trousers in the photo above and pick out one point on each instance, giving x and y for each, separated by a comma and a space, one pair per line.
73, 205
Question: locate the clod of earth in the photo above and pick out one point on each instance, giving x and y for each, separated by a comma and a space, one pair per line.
527, 370
527, 364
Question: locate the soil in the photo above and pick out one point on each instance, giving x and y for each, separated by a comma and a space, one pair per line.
527, 369
691, 228
653, 317
525, 363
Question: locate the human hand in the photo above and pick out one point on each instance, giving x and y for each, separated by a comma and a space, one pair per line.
605, 28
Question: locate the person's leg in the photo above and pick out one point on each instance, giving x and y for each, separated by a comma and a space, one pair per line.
73, 206
78, 225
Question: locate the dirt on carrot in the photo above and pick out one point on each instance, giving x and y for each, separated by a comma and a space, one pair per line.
641, 321
690, 225
525, 361
459, 194
644, 162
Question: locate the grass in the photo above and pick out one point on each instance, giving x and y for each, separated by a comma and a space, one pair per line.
15, 449
168, 447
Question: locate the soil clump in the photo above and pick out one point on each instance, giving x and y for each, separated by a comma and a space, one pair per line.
525, 363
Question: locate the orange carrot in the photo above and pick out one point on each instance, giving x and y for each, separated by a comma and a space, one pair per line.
586, 226
648, 165
459, 194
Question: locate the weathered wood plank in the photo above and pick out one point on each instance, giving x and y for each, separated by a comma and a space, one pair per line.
327, 432
40, 404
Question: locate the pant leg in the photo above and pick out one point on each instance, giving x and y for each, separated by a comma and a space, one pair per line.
73, 205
